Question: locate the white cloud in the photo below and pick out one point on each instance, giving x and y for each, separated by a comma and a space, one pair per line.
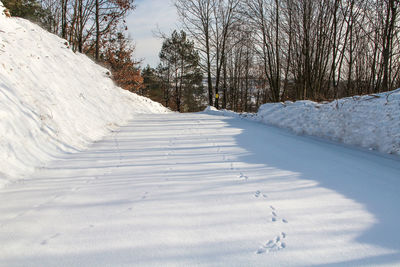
147, 18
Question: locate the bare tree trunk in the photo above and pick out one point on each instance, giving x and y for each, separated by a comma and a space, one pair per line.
391, 16
97, 18
224, 99
64, 19
80, 24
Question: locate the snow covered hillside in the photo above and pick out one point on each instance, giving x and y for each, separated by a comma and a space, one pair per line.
53, 100
370, 121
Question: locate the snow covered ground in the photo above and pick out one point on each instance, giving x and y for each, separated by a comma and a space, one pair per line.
53, 100
205, 190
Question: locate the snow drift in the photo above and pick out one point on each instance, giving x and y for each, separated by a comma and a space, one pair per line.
370, 121
53, 100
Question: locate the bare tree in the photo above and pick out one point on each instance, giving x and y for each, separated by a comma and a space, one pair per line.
196, 16
300, 49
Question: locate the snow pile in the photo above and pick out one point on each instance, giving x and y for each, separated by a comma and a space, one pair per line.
53, 100
210, 109
228, 113
371, 121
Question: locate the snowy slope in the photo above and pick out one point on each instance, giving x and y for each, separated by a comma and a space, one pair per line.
53, 100
371, 121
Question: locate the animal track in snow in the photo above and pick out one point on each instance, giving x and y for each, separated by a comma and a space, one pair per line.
273, 245
278, 242
258, 194
145, 195
275, 215
46, 241
242, 176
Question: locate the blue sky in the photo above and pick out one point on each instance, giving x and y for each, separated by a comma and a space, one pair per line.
148, 16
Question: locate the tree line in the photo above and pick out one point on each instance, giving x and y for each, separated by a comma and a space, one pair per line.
94, 27
239, 54
257, 51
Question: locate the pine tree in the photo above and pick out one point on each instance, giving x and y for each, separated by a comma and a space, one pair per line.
152, 86
182, 60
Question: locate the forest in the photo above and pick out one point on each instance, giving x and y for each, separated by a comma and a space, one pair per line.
258, 51
239, 54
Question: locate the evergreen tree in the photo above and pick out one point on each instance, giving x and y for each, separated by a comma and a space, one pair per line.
181, 63
164, 75
152, 84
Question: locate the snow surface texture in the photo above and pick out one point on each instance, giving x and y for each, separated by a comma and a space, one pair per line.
371, 121
53, 100
201, 190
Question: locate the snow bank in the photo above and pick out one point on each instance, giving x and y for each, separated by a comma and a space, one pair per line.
371, 121
53, 100
228, 113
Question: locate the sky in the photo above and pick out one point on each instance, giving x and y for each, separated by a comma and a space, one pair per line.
144, 22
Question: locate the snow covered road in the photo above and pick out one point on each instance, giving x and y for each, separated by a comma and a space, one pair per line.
197, 189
